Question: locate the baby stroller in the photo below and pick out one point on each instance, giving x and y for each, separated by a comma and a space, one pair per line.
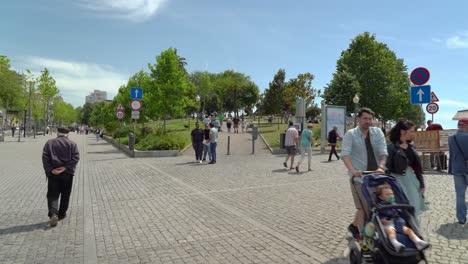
377, 248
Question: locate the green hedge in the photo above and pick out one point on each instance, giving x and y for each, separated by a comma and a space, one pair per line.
165, 142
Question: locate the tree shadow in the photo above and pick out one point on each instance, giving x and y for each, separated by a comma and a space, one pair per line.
453, 231
24, 228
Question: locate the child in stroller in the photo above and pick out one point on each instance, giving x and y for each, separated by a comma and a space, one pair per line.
392, 220
379, 241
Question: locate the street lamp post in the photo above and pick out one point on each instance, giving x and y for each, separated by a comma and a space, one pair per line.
356, 105
198, 102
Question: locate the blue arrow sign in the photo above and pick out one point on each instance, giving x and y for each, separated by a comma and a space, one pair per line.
421, 94
136, 93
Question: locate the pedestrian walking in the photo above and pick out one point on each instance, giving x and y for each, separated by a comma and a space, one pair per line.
458, 166
243, 125
404, 164
229, 125
98, 134
236, 124
59, 159
213, 143
197, 142
333, 136
206, 142
13, 129
291, 144
364, 149
306, 146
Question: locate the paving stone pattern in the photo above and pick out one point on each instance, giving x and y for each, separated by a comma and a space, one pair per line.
244, 209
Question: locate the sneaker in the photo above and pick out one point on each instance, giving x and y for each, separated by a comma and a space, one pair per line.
421, 245
354, 231
462, 222
53, 220
285, 164
297, 168
309, 169
201, 162
61, 217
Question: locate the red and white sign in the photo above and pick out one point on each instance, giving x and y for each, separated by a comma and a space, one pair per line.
434, 98
432, 108
120, 114
135, 105
120, 107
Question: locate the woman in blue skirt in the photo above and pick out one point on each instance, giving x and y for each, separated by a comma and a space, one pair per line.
404, 164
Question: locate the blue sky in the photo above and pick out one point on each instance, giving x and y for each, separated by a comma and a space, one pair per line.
99, 44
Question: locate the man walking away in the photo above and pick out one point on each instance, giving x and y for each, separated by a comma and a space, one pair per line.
59, 159
213, 143
197, 142
333, 136
458, 166
291, 142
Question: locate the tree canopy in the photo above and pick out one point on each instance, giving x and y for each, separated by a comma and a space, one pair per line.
371, 70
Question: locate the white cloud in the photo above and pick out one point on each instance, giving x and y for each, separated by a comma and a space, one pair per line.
134, 10
453, 103
457, 42
75, 80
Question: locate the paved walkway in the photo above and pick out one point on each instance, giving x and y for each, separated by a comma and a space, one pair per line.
244, 209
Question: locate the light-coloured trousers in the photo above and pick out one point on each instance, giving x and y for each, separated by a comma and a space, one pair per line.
309, 155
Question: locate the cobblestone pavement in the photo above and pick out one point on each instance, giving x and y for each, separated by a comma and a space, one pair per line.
245, 209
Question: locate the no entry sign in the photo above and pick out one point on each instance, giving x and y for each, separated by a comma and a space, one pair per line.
420, 76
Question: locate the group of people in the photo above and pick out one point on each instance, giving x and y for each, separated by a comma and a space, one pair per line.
364, 148
204, 142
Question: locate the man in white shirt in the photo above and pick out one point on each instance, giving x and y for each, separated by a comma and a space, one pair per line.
291, 142
213, 143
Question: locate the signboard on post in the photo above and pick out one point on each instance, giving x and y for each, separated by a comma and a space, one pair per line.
120, 114
135, 105
136, 93
120, 107
420, 76
335, 116
432, 108
135, 114
421, 94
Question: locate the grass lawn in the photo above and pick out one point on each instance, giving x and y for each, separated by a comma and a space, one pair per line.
271, 133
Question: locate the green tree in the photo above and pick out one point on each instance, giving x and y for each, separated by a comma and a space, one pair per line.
63, 112
273, 101
48, 90
170, 89
86, 113
11, 86
300, 87
371, 69
238, 92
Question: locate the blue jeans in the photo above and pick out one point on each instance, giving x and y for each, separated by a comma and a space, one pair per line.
461, 182
213, 150
206, 150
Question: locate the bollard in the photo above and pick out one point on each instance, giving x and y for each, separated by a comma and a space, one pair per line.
229, 144
254, 137
131, 141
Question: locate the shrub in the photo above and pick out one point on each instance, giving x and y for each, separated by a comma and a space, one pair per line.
146, 131
122, 132
156, 142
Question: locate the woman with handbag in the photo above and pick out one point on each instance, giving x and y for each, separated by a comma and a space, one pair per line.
404, 164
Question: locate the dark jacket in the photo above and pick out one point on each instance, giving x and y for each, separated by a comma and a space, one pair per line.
332, 136
197, 136
60, 152
397, 162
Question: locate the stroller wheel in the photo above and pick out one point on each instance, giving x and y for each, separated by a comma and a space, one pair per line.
355, 257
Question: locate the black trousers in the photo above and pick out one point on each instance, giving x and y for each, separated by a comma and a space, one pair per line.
59, 186
198, 147
333, 151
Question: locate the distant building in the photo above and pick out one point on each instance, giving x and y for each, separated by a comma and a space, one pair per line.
461, 114
96, 96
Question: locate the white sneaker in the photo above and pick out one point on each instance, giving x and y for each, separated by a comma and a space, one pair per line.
201, 162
